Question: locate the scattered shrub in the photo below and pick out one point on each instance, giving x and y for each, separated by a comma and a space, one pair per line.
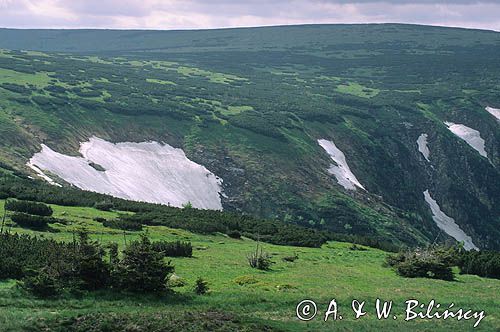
59, 267
260, 123
48, 268
113, 254
142, 269
100, 219
87, 93
355, 247
24, 220
290, 258
201, 286
42, 100
174, 249
22, 253
246, 280
259, 259
234, 234
43, 283
16, 88
434, 263
122, 224
481, 263
104, 206
28, 207
88, 265
210, 222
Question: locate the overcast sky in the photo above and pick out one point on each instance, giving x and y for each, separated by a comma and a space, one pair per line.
195, 14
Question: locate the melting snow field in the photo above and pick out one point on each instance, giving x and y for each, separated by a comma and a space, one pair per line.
469, 135
494, 111
341, 171
448, 224
422, 146
147, 171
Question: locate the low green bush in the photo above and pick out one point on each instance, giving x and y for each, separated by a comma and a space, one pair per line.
142, 269
28, 207
234, 234
174, 249
246, 280
290, 258
481, 263
43, 283
48, 268
201, 286
434, 263
259, 259
24, 220
122, 224
104, 206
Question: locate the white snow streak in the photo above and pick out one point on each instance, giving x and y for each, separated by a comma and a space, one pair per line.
341, 170
448, 224
469, 135
41, 174
494, 111
146, 171
422, 146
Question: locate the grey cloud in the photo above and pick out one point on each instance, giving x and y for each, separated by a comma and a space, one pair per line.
107, 7
181, 14
413, 2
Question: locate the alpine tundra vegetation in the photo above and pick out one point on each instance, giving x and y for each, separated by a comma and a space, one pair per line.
323, 146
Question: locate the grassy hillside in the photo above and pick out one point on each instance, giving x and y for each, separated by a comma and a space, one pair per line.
244, 298
250, 104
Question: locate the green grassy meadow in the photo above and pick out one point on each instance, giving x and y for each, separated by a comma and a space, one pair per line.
268, 298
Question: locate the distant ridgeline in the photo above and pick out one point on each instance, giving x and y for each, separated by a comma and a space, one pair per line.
387, 135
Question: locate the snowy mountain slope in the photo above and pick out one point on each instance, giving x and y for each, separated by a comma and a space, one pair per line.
148, 172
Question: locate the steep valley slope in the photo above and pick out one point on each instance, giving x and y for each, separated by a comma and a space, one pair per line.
336, 127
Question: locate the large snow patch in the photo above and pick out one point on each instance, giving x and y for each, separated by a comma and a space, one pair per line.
341, 170
448, 224
147, 171
494, 111
422, 146
469, 135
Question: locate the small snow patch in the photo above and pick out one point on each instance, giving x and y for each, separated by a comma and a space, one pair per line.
422, 146
448, 224
341, 170
469, 135
494, 111
146, 171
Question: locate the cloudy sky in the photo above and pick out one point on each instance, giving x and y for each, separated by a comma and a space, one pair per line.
194, 14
